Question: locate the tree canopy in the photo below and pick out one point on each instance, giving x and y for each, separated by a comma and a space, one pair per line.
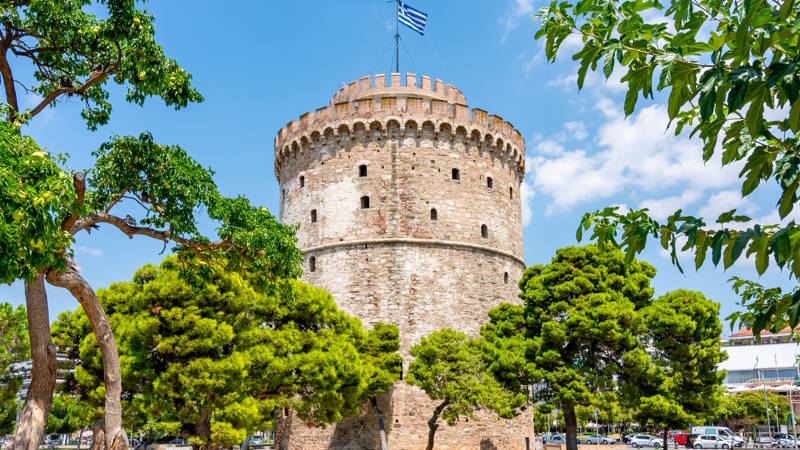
675, 382
450, 368
747, 410
75, 52
581, 317
211, 358
730, 72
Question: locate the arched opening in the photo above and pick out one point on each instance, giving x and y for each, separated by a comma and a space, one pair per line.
489, 182
312, 264
362, 170
364, 202
456, 175
505, 278
302, 181
434, 214
484, 231
313, 216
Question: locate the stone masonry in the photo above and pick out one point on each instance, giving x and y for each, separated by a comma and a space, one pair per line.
409, 213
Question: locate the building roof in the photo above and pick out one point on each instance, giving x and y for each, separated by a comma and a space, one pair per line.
768, 356
748, 333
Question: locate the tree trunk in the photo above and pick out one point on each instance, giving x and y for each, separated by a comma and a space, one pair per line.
80, 436
203, 430
115, 437
30, 428
432, 425
381, 427
665, 440
571, 426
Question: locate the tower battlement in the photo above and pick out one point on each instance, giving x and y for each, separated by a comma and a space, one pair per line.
391, 110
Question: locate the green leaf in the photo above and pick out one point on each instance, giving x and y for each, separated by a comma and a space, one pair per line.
788, 199
756, 109
762, 257
794, 116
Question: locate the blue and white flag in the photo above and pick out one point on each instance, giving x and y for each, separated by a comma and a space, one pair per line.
412, 18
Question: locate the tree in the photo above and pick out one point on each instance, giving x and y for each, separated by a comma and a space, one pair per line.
581, 317
71, 52
14, 348
208, 356
746, 410
450, 368
677, 383
383, 365
719, 82
68, 414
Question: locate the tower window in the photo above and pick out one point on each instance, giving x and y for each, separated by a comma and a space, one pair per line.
484, 231
505, 278
312, 264
364, 202
511, 192
313, 216
456, 174
302, 181
434, 215
489, 182
362, 170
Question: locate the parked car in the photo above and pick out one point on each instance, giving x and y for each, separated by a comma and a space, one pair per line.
557, 439
645, 440
178, 441
679, 438
593, 438
255, 441
784, 440
711, 441
690, 438
625, 438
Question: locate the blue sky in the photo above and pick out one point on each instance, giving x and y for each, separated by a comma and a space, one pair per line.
260, 64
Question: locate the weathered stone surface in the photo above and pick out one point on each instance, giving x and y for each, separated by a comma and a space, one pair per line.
397, 261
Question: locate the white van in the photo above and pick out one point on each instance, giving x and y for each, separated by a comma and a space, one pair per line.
722, 432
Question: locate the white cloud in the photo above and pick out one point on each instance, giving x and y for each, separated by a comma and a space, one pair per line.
637, 155
88, 250
593, 79
510, 20
723, 201
526, 196
576, 130
662, 208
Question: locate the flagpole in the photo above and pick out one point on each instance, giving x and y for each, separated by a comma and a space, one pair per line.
397, 38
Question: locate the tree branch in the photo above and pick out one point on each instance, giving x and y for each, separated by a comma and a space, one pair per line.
79, 183
94, 78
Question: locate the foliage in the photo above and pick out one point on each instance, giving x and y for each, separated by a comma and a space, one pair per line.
35, 193
676, 383
69, 414
747, 410
382, 362
450, 368
724, 64
212, 357
581, 317
14, 348
75, 52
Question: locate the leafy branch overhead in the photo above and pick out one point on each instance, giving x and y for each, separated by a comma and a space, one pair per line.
163, 184
75, 53
731, 73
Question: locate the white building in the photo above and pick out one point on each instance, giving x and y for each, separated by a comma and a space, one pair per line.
772, 359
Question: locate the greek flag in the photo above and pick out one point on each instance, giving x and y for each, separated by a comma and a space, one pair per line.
412, 18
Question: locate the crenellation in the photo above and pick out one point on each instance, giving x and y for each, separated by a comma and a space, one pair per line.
359, 99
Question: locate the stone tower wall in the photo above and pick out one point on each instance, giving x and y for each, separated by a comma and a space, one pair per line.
393, 261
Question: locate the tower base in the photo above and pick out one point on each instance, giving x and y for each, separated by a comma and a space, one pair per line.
406, 410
